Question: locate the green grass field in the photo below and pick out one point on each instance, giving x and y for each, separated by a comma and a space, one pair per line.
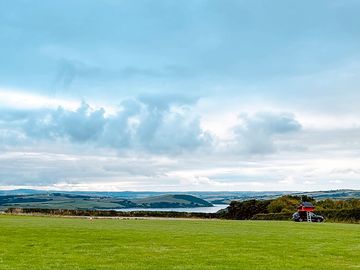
65, 243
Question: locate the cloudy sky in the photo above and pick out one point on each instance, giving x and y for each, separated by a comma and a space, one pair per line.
180, 95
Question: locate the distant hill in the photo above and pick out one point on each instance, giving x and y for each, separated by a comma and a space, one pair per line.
225, 198
78, 201
339, 194
168, 201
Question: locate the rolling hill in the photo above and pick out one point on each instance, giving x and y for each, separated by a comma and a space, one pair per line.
176, 200
75, 201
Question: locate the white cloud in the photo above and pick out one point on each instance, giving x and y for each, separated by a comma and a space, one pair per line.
135, 126
255, 134
20, 100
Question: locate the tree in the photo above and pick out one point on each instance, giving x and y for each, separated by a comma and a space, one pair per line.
286, 203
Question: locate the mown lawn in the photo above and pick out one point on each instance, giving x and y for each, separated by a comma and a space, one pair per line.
65, 243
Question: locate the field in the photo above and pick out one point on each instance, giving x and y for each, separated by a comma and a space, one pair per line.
71, 243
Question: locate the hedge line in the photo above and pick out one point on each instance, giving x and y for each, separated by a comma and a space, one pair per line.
272, 216
345, 215
109, 213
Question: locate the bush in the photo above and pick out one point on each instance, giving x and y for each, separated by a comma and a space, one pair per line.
109, 213
344, 215
246, 209
284, 204
272, 216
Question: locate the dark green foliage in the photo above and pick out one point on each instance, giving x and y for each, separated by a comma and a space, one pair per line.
344, 215
109, 213
284, 204
282, 209
246, 209
272, 216
332, 204
305, 198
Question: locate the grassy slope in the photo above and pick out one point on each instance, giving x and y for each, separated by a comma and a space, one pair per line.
59, 201
173, 198
72, 201
64, 243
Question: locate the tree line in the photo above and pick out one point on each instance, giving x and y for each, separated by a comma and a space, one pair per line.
281, 208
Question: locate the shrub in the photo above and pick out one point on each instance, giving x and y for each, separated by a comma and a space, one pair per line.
273, 216
343, 215
284, 204
246, 209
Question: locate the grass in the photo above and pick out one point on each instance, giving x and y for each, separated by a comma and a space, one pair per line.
65, 243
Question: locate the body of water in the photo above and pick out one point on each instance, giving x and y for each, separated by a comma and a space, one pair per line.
211, 209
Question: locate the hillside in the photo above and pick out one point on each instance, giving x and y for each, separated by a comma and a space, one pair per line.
177, 200
340, 194
74, 201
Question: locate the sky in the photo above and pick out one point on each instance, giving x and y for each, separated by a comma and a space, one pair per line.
200, 95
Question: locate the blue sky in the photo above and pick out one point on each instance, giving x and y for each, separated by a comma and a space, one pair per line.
179, 95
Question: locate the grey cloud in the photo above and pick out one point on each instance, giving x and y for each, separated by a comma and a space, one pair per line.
255, 134
165, 100
164, 132
118, 132
10, 115
147, 126
151, 125
69, 70
166, 71
81, 125
137, 125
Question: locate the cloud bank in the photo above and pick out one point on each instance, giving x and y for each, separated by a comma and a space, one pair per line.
136, 126
255, 134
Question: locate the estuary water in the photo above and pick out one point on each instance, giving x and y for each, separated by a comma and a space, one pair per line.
211, 209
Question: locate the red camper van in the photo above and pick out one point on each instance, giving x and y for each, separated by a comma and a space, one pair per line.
306, 213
